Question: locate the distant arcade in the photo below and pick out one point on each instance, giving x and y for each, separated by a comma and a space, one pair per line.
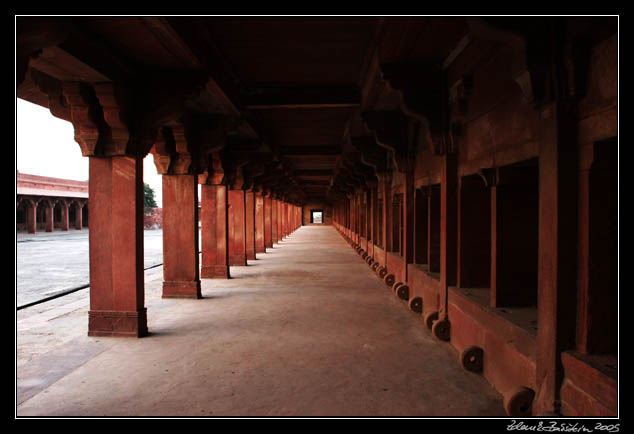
47, 204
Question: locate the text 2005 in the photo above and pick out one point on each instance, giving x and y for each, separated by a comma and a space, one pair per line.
607, 428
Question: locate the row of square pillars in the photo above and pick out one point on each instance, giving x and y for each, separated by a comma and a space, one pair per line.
491, 229
32, 204
541, 232
235, 225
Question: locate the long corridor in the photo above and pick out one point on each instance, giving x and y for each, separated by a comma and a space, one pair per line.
306, 329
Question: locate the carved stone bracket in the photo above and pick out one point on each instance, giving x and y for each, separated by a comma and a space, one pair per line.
460, 93
371, 154
393, 131
490, 176
172, 152
420, 87
115, 104
531, 47
77, 103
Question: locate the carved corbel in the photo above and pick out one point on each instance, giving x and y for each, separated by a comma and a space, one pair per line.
53, 89
233, 166
531, 49
393, 131
384, 177
578, 54
490, 176
115, 103
185, 153
420, 87
77, 103
86, 117
251, 171
172, 153
460, 93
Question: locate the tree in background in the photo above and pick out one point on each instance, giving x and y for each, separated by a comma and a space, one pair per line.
148, 197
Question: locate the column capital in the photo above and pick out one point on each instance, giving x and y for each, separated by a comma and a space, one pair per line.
173, 153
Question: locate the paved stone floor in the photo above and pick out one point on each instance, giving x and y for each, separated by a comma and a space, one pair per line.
50, 262
305, 330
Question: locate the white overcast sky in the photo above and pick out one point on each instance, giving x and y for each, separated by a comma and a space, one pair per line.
45, 146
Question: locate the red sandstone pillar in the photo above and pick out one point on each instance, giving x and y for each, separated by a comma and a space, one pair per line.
557, 255
116, 247
50, 216
250, 224
78, 216
408, 220
280, 218
278, 211
260, 245
64, 207
237, 236
274, 221
291, 217
284, 219
448, 228
180, 237
374, 217
268, 219
31, 216
385, 184
214, 232
357, 216
493, 296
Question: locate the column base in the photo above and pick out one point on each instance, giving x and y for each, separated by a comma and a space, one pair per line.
182, 289
117, 323
238, 260
214, 272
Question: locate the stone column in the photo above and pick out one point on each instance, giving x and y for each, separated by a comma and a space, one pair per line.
448, 228
50, 215
237, 226
385, 184
260, 244
408, 220
214, 232
433, 229
374, 217
78, 215
116, 247
280, 234
64, 205
31, 216
284, 219
274, 221
180, 237
249, 221
268, 222
557, 251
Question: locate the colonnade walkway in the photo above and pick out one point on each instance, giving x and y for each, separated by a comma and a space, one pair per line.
305, 330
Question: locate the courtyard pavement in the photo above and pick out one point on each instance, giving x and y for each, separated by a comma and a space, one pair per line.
50, 262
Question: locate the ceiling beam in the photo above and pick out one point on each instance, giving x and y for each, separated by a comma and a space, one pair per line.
310, 150
313, 183
314, 172
302, 97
